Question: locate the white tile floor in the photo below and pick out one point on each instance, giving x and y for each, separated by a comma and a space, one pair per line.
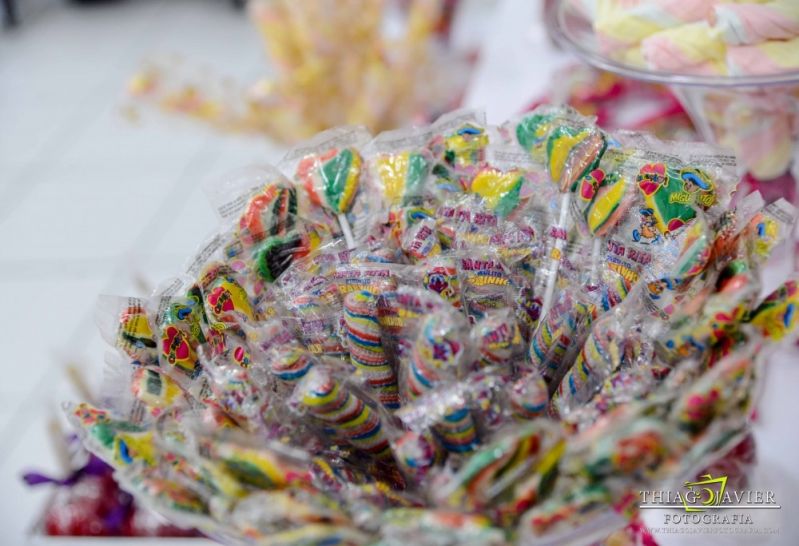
90, 202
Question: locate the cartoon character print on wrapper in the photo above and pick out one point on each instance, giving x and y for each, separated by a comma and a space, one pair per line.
647, 232
777, 315
441, 277
670, 195
224, 297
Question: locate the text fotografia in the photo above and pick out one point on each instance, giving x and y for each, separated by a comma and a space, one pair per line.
708, 501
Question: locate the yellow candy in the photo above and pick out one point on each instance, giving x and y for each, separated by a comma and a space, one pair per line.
499, 189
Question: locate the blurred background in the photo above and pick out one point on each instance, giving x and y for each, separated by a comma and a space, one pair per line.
113, 114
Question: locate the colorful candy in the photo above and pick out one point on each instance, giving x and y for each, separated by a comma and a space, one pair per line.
292, 390
366, 347
327, 399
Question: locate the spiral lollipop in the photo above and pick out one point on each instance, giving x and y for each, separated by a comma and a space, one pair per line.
528, 396
436, 355
366, 347
556, 336
499, 339
290, 364
417, 453
324, 397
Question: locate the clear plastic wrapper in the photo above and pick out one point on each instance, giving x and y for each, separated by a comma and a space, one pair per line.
330, 168
528, 326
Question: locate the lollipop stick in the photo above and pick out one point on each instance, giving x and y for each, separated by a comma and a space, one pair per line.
595, 251
565, 203
345, 228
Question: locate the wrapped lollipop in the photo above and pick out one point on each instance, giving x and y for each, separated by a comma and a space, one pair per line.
441, 277
420, 240
270, 465
721, 393
613, 341
147, 385
528, 397
316, 323
428, 527
400, 313
117, 441
400, 167
417, 453
499, 341
777, 315
504, 478
485, 282
559, 336
330, 168
350, 416
125, 324
236, 393
458, 146
573, 148
266, 513
439, 354
366, 348
226, 301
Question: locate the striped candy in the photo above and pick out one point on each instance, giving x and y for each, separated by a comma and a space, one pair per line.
434, 356
528, 397
366, 348
291, 364
555, 335
417, 453
324, 397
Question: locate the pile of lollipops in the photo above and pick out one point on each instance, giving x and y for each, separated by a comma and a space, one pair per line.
454, 334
